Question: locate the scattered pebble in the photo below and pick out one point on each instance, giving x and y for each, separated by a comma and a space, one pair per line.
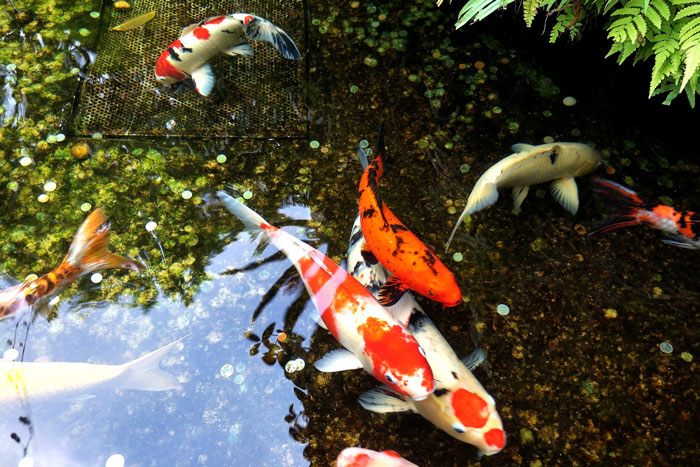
84, 32
60, 137
547, 113
503, 309
569, 101
548, 139
294, 365
579, 229
364, 144
314, 144
282, 337
10, 355
115, 460
85, 207
151, 226
11, 67
95, 14
96, 278
122, 4
610, 313
50, 186
170, 124
187, 194
666, 347
687, 356
221, 158
247, 194
97, 135
25, 161
464, 168
479, 65
80, 151
227, 370
457, 257
354, 89
42, 198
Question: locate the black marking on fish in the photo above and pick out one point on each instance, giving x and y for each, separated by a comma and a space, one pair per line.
553, 156
430, 260
356, 237
417, 320
454, 375
396, 227
186, 49
229, 32
399, 242
440, 392
174, 55
369, 257
30, 299
391, 292
368, 212
49, 284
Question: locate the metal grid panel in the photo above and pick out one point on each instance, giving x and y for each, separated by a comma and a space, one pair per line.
253, 97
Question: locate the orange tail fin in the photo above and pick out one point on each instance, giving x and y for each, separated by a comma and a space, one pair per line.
625, 202
88, 251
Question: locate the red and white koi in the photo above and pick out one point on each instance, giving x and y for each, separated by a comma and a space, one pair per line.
460, 405
683, 227
87, 253
359, 457
413, 265
373, 339
189, 55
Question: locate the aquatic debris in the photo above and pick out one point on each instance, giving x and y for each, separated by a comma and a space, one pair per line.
610, 313
25, 161
294, 365
354, 88
687, 356
13, 185
226, 370
479, 65
151, 226
666, 347
282, 337
115, 460
221, 158
135, 22
187, 194
84, 32
96, 278
50, 186
314, 144
122, 4
85, 207
10, 355
547, 139
95, 14
569, 101
457, 257
579, 229
503, 309
42, 198
464, 168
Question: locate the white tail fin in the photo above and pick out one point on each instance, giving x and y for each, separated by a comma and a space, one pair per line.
143, 373
483, 195
252, 220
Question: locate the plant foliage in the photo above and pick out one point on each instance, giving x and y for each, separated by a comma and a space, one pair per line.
665, 31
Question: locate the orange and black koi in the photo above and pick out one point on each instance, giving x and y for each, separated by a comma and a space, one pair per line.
413, 265
683, 227
87, 253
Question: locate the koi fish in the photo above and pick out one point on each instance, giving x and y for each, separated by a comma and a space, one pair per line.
412, 264
229, 34
38, 382
359, 457
530, 165
683, 227
372, 338
87, 253
460, 406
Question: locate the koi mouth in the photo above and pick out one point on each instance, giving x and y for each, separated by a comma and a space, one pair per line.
421, 398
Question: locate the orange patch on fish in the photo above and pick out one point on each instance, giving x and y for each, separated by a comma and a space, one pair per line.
216, 20
470, 409
201, 33
495, 438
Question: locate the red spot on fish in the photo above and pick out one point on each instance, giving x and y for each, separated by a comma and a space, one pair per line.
391, 453
201, 33
390, 347
216, 20
495, 438
360, 460
177, 44
166, 69
469, 408
248, 19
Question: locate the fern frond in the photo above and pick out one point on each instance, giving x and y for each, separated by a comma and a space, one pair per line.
687, 11
476, 10
530, 10
662, 8
692, 60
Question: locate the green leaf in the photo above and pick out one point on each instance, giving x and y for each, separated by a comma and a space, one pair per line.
530, 10
662, 8
653, 17
692, 60
641, 25
690, 29
687, 11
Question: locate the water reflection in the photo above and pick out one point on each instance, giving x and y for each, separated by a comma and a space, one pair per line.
243, 415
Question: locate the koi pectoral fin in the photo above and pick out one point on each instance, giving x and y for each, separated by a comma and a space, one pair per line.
565, 192
241, 49
681, 242
474, 359
203, 79
391, 292
519, 194
338, 360
384, 400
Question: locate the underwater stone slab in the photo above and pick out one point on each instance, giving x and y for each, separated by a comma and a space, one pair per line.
253, 97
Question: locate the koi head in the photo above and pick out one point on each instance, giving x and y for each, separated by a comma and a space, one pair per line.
397, 359
444, 289
474, 420
587, 159
166, 72
360, 457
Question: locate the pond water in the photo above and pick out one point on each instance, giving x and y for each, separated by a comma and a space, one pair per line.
576, 366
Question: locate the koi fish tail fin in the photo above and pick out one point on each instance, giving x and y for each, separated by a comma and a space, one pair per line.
625, 203
385, 160
483, 195
143, 373
254, 224
88, 251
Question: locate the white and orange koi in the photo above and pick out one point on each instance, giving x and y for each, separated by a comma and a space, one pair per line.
189, 55
359, 457
460, 405
87, 253
373, 339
